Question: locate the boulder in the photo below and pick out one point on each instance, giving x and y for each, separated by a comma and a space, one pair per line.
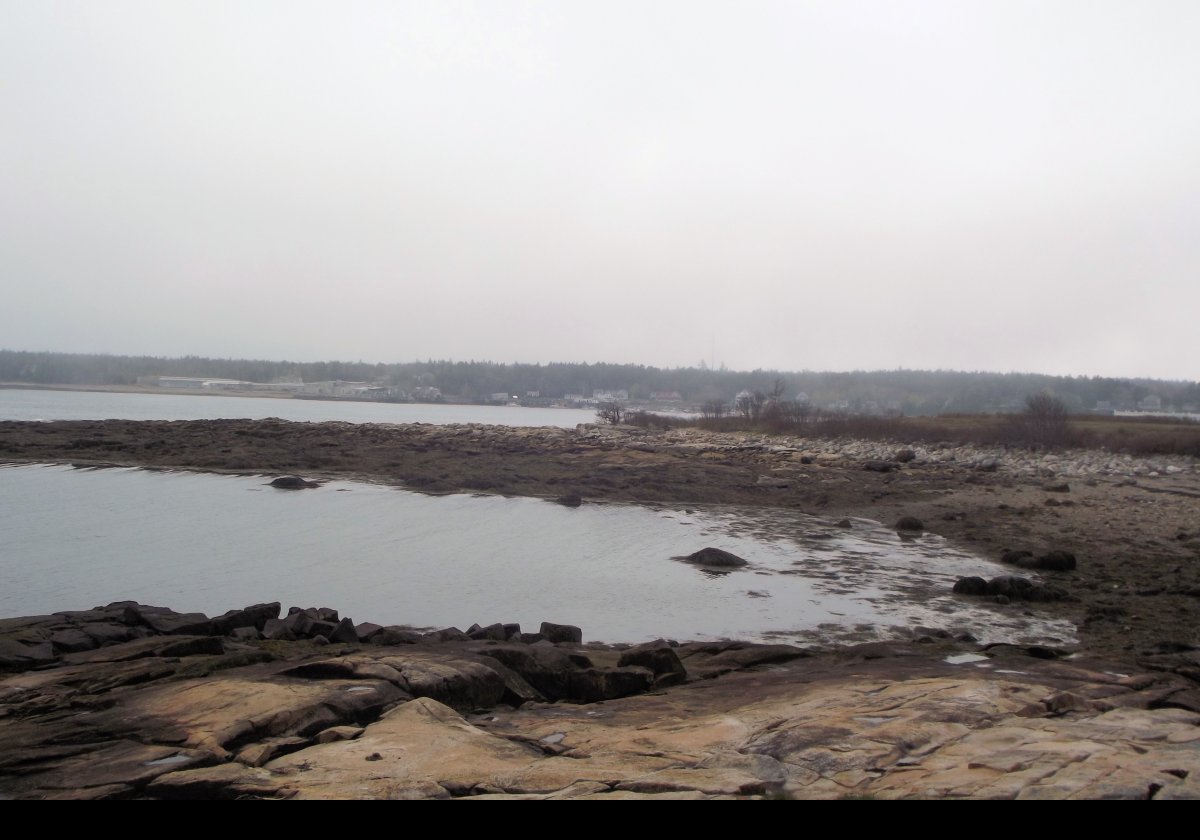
566, 633
323, 628
1057, 561
1017, 557
447, 634
396, 635
278, 629
971, 586
715, 557
660, 658
367, 631
292, 482
879, 466
1022, 589
494, 632
546, 668
255, 616
909, 523
344, 633
569, 500
594, 685
904, 456
167, 622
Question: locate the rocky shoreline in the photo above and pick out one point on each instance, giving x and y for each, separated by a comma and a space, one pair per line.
134, 701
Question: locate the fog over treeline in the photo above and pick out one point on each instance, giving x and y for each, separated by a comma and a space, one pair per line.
909, 391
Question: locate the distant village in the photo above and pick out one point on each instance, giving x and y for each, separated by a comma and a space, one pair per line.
339, 389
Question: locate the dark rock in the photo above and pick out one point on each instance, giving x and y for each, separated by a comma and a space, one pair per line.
567, 633
396, 635
660, 658
71, 640
322, 628
879, 466
1022, 589
344, 633
298, 623
547, 668
327, 614
247, 634
971, 586
594, 685
806, 459
292, 482
448, 634
530, 638
1057, 561
904, 456
15, 656
517, 690
255, 616
108, 633
367, 631
1057, 488
715, 557
464, 685
909, 523
494, 632
569, 500
172, 647
1017, 557
512, 632
319, 640
167, 622
579, 660
844, 523
278, 629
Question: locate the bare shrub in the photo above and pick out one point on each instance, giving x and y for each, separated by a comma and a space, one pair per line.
612, 413
1043, 423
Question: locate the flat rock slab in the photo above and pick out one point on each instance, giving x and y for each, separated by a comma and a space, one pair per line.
753, 720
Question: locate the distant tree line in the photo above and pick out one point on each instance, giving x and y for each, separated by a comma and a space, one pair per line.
909, 392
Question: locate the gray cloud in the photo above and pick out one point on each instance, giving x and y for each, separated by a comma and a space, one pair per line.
987, 185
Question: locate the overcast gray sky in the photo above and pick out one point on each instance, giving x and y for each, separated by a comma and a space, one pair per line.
825, 185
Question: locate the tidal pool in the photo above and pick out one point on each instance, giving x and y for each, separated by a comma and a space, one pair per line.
76, 538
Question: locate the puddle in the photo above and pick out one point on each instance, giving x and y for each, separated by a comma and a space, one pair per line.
964, 658
168, 761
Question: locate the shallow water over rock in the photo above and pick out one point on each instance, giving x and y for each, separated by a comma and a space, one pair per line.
72, 539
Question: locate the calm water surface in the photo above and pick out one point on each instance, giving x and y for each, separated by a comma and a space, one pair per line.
23, 404
73, 539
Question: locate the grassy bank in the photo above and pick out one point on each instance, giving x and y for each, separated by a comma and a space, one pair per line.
1128, 435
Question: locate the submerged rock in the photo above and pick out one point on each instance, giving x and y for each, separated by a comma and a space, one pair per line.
715, 557
293, 482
